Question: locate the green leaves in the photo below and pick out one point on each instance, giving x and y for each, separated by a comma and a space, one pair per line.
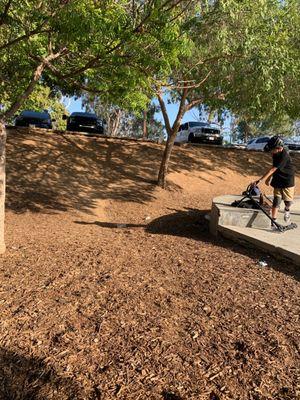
122, 50
116, 48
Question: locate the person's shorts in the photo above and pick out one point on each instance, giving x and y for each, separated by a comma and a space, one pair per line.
287, 194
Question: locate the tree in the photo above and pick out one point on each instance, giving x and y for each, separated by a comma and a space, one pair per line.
284, 126
110, 47
244, 58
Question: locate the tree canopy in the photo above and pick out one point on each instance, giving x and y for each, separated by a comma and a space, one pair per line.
113, 48
243, 57
268, 127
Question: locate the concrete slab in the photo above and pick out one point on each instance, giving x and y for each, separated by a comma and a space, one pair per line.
252, 226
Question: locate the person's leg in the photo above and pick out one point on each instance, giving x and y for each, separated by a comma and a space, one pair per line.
288, 196
275, 208
276, 203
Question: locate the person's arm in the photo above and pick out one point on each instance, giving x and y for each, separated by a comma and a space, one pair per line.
267, 176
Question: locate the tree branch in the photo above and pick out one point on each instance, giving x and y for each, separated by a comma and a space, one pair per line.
164, 113
25, 36
181, 111
35, 31
172, 5
181, 12
193, 86
5, 12
72, 82
35, 78
194, 103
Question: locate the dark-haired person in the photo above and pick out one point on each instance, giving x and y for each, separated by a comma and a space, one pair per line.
281, 177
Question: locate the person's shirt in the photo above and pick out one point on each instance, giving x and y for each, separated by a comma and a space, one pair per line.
284, 176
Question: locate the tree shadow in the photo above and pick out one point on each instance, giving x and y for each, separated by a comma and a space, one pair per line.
50, 172
111, 224
192, 223
30, 378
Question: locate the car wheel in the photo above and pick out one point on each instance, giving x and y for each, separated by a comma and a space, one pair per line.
70, 128
191, 138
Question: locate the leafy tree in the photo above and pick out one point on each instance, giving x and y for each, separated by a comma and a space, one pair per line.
244, 57
109, 47
245, 130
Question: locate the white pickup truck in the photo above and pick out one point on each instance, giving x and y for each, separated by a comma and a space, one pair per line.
199, 132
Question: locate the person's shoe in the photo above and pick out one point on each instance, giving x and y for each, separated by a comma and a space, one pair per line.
287, 216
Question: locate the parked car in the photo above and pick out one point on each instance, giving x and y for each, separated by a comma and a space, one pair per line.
238, 145
199, 132
84, 122
293, 143
257, 143
34, 118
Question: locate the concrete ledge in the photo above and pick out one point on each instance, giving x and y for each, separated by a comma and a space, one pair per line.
223, 213
253, 227
279, 250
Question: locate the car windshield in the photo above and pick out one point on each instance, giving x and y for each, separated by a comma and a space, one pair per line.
262, 140
84, 115
35, 114
195, 124
206, 127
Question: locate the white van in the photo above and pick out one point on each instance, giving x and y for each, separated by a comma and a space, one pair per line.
199, 132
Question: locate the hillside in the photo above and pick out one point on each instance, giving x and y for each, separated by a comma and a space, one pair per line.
112, 288
50, 173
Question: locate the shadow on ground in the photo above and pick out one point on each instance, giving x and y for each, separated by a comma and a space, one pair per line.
30, 378
50, 172
192, 223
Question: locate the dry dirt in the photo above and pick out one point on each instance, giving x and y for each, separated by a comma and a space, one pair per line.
112, 288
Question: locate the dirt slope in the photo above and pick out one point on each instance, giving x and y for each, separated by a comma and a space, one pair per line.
113, 289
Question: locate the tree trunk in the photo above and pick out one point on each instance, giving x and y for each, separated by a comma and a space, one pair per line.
211, 115
145, 127
162, 175
3, 118
27, 92
247, 132
2, 184
172, 132
6, 116
116, 123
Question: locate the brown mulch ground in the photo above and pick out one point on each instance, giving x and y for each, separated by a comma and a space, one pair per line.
113, 289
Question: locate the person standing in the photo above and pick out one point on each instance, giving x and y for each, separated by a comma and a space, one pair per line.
281, 177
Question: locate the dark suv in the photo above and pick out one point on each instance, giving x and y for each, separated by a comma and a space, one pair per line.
34, 118
84, 122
